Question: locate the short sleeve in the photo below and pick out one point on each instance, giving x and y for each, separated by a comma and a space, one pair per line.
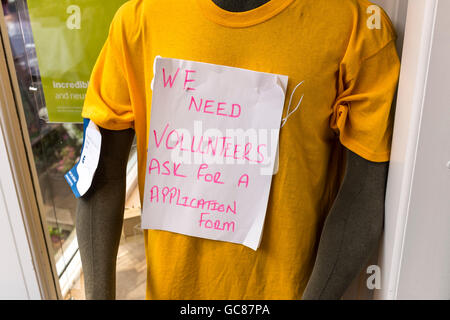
363, 114
107, 101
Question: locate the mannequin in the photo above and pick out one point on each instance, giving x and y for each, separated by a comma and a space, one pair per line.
350, 234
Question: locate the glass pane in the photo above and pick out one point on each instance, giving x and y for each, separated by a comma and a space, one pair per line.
56, 146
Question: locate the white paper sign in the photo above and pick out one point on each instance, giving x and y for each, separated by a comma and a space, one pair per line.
212, 146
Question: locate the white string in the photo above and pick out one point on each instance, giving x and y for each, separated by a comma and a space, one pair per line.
288, 114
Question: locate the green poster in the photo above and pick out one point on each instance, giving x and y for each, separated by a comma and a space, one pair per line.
68, 35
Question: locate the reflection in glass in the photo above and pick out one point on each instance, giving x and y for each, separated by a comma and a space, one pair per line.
67, 57
56, 147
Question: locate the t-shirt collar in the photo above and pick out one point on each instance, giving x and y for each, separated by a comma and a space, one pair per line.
242, 19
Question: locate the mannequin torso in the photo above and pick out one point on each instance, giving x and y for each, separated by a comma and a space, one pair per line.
351, 231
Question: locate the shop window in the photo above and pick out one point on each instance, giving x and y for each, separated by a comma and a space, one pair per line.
56, 138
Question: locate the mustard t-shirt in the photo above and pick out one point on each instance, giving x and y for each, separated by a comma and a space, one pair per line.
342, 50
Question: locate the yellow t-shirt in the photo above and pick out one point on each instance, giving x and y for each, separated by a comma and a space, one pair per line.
350, 72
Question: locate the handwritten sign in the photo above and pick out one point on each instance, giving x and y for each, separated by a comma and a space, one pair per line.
213, 142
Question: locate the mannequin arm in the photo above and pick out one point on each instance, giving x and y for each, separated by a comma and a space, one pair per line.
99, 215
352, 229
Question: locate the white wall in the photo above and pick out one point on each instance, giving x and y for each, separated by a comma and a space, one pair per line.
425, 261
415, 256
17, 277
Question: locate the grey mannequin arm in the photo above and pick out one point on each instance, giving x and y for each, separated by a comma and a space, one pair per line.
352, 229
99, 216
